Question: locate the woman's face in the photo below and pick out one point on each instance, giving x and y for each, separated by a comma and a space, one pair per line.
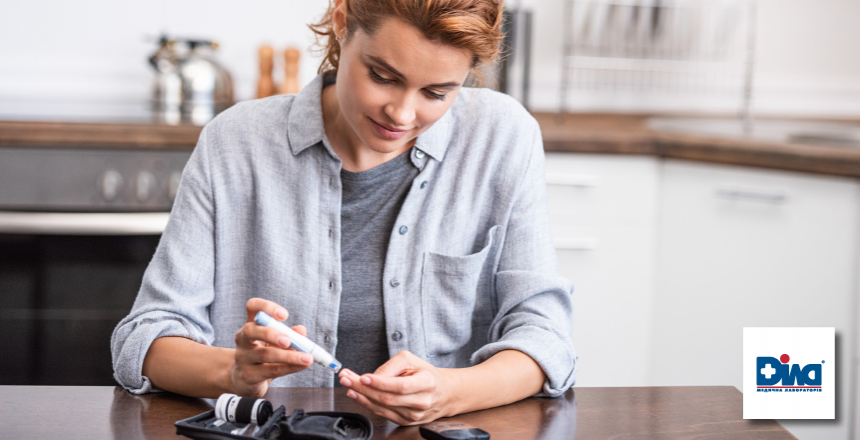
393, 85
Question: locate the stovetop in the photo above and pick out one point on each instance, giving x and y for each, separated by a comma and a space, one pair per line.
89, 180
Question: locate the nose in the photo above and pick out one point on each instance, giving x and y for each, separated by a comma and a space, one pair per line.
401, 110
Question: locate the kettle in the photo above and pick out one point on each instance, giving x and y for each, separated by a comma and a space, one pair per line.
189, 86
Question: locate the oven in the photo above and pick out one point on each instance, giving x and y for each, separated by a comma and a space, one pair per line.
78, 228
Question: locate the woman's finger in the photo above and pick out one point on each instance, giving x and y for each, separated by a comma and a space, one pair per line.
383, 398
274, 355
397, 365
274, 371
399, 416
255, 305
252, 331
264, 363
253, 374
300, 329
411, 384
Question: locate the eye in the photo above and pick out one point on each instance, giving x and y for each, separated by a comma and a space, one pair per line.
438, 96
376, 77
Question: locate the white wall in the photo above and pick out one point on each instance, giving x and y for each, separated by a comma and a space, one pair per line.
94, 50
809, 56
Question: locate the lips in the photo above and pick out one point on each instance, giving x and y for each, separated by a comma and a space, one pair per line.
387, 132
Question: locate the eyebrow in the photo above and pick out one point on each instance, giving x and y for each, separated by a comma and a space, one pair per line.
388, 67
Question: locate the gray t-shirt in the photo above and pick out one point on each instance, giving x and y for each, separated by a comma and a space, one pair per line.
370, 204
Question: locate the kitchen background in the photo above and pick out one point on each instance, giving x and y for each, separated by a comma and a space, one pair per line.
94, 52
674, 241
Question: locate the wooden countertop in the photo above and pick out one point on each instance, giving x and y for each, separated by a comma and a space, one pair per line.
582, 413
92, 135
578, 133
629, 134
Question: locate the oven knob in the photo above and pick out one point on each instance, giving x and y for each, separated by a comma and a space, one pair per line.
110, 184
145, 186
173, 184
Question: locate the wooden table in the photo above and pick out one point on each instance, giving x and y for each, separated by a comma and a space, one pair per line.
31, 412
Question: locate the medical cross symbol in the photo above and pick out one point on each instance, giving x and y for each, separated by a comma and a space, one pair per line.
768, 371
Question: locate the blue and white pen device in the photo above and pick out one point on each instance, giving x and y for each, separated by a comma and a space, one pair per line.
300, 342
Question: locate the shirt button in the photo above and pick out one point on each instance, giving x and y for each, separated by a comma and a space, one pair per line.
397, 336
330, 285
419, 154
395, 282
403, 229
327, 339
423, 184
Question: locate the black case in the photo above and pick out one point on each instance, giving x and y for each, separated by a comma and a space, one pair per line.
453, 431
298, 426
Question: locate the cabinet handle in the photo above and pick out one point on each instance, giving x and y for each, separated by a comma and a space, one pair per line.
582, 180
757, 195
575, 243
74, 223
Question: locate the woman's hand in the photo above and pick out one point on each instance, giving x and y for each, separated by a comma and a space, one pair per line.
406, 390
263, 353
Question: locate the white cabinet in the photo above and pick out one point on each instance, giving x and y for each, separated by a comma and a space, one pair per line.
671, 259
746, 247
603, 213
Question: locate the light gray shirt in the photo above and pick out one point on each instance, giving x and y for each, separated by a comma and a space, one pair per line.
258, 214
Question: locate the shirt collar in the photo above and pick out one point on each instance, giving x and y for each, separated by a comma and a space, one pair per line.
434, 141
305, 127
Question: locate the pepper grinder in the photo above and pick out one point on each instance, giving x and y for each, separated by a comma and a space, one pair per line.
266, 85
291, 72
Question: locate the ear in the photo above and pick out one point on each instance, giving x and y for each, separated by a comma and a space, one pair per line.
339, 18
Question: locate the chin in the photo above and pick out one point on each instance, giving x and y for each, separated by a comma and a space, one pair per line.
386, 147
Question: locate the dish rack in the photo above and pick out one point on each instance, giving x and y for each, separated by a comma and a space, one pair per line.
663, 46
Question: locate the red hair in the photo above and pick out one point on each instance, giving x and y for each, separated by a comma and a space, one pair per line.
473, 25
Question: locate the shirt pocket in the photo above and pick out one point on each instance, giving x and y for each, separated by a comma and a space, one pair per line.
450, 286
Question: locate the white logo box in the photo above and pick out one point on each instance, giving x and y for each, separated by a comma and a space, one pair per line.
806, 348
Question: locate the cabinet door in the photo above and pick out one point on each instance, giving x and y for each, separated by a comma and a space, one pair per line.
601, 189
742, 247
602, 213
612, 303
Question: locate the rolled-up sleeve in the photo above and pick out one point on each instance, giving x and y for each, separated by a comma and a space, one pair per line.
535, 314
177, 287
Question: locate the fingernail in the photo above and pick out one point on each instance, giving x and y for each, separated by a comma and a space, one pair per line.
281, 314
346, 382
351, 394
284, 341
306, 358
365, 380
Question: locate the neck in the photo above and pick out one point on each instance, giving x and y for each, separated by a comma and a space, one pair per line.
355, 155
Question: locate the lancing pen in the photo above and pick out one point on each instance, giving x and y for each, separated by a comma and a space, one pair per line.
300, 342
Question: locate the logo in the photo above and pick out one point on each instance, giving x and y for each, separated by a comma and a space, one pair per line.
789, 372
776, 375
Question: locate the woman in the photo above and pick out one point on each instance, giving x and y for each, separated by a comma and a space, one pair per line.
398, 216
